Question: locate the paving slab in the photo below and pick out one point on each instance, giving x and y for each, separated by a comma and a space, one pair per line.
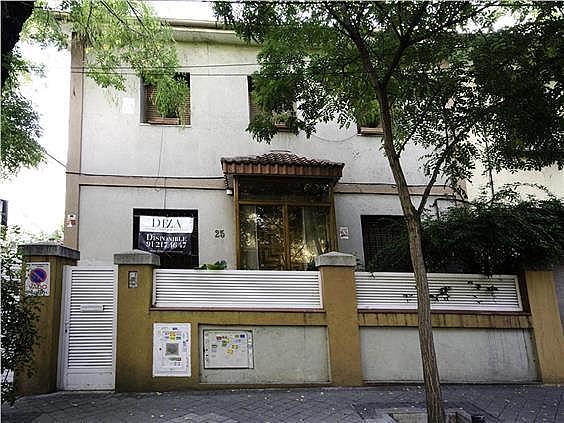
499, 403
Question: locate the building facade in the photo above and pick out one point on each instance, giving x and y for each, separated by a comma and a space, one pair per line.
197, 189
253, 205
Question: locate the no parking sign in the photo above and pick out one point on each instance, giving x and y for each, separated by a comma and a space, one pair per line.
38, 279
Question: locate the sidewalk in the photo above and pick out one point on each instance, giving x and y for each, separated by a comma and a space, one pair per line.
498, 403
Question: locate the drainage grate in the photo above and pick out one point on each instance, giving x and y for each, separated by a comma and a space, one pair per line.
376, 412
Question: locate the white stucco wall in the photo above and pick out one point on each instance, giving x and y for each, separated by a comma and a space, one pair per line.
115, 142
106, 215
549, 177
463, 355
106, 219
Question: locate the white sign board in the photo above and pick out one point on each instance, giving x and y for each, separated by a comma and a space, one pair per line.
168, 225
228, 349
38, 279
159, 234
171, 349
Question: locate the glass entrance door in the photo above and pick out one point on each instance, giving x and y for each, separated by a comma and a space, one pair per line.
308, 229
282, 237
262, 243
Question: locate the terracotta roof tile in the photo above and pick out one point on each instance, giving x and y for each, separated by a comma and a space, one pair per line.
280, 158
281, 163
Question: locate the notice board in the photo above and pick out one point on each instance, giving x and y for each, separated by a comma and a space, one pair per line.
228, 349
171, 349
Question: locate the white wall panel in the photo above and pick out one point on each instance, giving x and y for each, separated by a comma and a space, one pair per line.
463, 355
236, 289
465, 291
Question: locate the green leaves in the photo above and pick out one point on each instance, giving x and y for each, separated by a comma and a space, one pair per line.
451, 82
218, 265
169, 90
20, 130
120, 37
506, 235
517, 73
19, 315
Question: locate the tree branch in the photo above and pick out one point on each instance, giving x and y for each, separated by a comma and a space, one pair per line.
354, 35
394, 28
448, 149
404, 42
136, 13
418, 121
450, 22
114, 14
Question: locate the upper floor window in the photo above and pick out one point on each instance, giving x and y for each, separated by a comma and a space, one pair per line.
280, 121
369, 129
253, 109
369, 123
150, 114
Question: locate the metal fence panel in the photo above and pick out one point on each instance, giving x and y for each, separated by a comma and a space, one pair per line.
245, 289
449, 291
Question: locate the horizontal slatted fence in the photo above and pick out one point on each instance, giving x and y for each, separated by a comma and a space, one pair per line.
240, 289
448, 292
92, 311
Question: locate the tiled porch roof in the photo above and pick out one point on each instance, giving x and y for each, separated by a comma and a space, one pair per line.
281, 163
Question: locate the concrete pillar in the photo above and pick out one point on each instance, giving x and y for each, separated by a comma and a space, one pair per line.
133, 311
339, 300
46, 352
547, 326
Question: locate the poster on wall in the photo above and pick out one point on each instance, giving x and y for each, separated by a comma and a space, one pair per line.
160, 234
228, 349
171, 349
38, 279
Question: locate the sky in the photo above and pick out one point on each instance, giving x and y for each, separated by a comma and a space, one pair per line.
36, 197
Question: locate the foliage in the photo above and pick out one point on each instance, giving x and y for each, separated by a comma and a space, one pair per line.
451, 80
503, 235
431, 75
14, 14
218, 265
167, 95
120, 37
117, 34
20, 129
518, 73
19, 315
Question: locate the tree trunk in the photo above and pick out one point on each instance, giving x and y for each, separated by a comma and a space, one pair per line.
435, 408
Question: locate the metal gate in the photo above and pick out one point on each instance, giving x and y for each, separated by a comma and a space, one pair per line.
88, 328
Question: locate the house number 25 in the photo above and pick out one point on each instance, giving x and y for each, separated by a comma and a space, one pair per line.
219, 233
